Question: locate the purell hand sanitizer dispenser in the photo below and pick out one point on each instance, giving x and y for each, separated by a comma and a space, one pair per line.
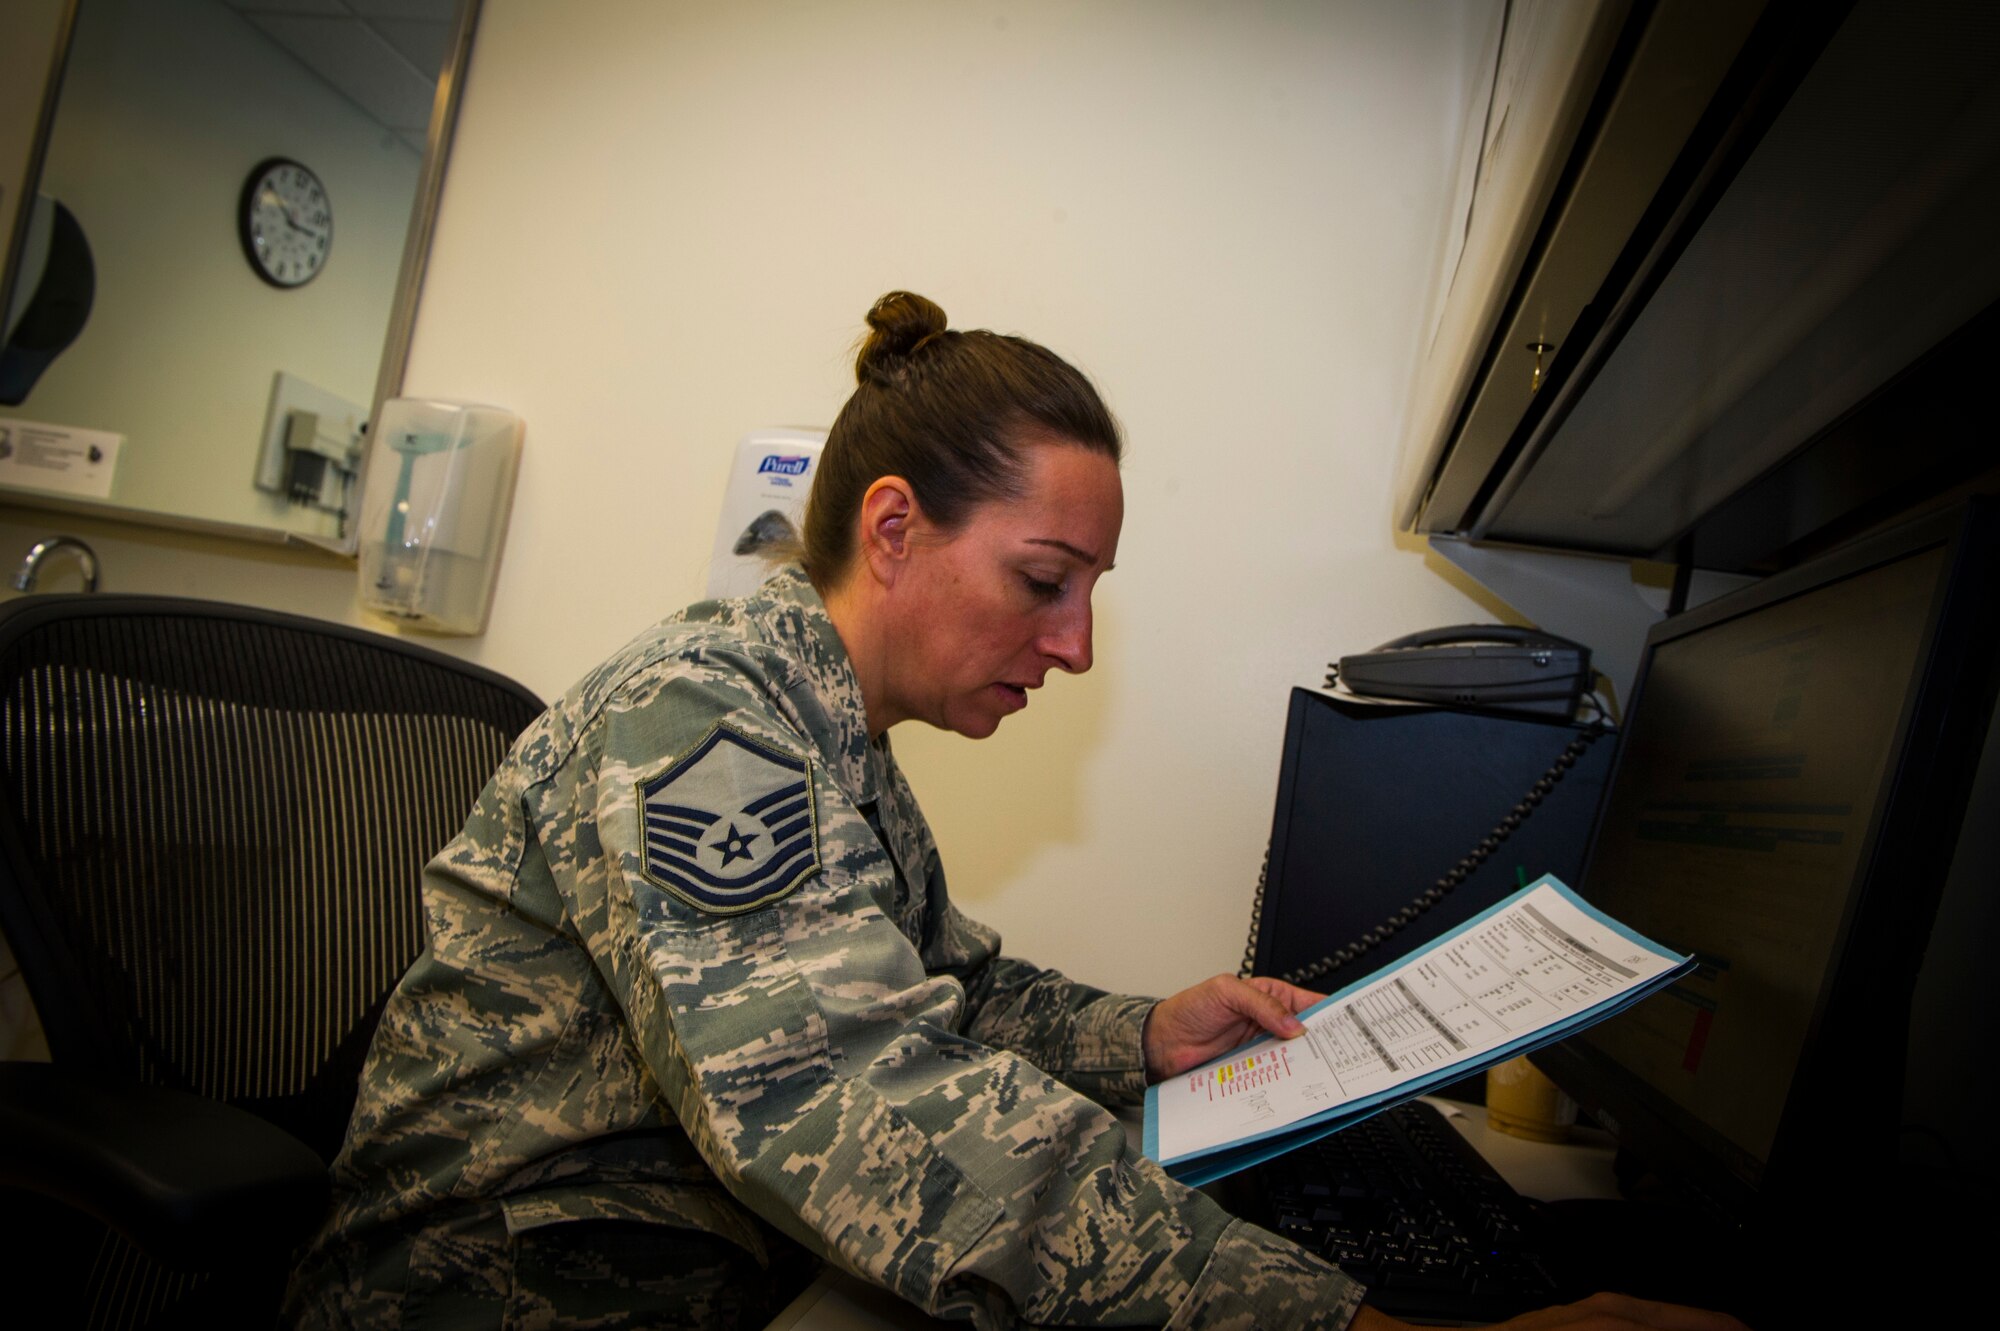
440, 483
764, 507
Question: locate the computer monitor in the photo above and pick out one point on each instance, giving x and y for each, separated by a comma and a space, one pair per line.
1786, 801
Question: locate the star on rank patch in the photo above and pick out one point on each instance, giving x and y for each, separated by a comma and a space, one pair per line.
730, 826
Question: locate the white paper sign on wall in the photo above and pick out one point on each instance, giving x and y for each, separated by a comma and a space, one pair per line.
58, 458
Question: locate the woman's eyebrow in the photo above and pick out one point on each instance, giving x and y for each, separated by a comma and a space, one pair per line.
1068, 549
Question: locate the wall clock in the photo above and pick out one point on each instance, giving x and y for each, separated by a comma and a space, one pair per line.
285, 221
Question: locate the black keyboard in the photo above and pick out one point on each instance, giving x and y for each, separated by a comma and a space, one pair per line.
1405, 1205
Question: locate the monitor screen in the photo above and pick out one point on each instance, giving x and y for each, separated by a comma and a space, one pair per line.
1754, 821
1737, 828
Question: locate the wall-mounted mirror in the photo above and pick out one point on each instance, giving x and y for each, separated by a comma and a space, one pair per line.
254, 182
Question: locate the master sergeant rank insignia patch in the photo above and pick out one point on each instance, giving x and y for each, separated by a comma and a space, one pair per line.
731, 826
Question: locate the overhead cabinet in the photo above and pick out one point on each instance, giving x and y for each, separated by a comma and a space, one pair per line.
1739, 323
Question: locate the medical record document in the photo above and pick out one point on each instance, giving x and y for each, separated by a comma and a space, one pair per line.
1526, 973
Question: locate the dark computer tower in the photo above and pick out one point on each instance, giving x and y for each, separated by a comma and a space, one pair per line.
1377, 802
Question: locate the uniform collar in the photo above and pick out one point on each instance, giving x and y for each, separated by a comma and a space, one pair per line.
826, 690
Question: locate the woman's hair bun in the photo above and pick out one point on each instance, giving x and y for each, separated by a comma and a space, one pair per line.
954, 413
898, 324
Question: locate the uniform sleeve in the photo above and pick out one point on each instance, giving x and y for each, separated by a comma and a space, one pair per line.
836, 1088
1089, 1039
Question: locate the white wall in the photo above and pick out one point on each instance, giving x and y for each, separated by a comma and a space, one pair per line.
663, 223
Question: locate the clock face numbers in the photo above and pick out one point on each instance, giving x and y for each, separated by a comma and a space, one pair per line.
287, 223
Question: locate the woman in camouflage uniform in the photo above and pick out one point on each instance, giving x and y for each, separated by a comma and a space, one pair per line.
697, 1009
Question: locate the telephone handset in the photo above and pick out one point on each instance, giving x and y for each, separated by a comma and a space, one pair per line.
1473, 665
1540, 672
1456, 634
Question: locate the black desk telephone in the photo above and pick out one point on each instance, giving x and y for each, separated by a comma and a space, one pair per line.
1488, 666
1474, 665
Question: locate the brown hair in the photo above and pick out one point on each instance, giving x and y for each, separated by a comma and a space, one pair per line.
952, 413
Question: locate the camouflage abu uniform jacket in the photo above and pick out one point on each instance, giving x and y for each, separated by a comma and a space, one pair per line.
696, 930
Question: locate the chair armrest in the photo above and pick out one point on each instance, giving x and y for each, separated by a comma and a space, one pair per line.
196, 1183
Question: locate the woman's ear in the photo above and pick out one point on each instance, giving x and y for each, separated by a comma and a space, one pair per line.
889, 511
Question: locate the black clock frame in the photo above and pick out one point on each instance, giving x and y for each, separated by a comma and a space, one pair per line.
244, 204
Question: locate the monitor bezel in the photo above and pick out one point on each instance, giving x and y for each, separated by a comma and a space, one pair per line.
1837, 1118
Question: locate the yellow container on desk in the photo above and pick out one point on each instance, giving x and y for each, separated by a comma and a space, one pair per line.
1521, 1102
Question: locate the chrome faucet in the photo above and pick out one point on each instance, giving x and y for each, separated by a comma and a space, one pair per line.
24, 581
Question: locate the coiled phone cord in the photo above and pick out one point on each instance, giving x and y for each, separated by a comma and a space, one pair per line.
1437, 891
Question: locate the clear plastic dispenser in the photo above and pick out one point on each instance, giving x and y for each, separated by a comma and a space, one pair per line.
440, 484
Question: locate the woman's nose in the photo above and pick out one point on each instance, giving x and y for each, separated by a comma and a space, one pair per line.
1068, 640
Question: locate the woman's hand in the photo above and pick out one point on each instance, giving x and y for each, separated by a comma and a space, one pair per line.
1599, 1312
1215, 1016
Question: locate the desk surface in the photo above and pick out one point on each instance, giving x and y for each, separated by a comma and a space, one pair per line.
1580, 1167
837, 1301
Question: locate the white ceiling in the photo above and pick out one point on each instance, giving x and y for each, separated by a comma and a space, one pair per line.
382, 55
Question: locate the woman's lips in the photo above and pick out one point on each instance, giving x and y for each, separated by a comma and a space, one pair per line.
1015, 696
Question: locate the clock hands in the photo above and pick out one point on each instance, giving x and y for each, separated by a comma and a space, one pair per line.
272, 198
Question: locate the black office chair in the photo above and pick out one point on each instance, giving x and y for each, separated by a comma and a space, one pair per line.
215, 819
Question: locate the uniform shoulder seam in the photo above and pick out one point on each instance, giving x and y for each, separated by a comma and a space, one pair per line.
685, 649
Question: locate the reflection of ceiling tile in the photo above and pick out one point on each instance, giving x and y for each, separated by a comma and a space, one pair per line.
430, 11
358, 61
290, 6
382, 55
419, 41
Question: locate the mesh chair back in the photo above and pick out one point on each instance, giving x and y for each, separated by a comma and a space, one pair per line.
209, 868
